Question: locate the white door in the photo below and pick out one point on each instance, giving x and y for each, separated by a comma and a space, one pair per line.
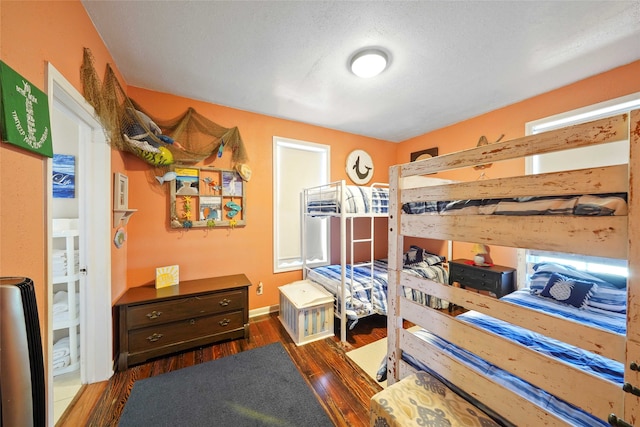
76, 130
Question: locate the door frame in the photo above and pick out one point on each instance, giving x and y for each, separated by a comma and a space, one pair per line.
96, 353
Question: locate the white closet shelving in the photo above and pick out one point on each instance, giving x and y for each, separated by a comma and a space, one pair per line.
66, 296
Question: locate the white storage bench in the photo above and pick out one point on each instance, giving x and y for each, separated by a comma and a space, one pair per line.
306, 311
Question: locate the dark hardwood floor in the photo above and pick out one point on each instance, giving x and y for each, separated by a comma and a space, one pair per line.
342, 387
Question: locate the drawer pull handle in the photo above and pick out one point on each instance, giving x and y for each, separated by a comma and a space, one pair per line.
155, 337
617, 422
154, 314
225, 302
192, 321
627, 387
224, 322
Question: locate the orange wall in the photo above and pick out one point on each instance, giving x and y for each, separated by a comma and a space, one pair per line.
249, 250
511, 121
32, 33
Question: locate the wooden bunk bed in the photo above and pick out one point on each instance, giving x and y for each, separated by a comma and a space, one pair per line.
358, 282
598, 398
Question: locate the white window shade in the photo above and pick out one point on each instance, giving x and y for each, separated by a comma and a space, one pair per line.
297, 165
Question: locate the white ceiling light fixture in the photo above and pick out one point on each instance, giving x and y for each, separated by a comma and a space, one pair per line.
369, 62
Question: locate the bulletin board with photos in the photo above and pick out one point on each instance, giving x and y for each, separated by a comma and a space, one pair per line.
207, 197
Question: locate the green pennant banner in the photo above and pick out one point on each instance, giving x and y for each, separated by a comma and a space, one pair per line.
24, 113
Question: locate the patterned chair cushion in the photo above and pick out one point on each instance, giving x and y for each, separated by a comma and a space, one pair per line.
422, 400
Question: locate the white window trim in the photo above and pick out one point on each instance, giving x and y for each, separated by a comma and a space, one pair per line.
281, 142
580, 115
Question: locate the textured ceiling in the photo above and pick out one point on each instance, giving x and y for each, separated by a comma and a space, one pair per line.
450, 61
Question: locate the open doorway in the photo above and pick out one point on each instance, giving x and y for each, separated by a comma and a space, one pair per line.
79, 262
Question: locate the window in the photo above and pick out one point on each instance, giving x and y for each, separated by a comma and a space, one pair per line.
588, 264
587, 157
297, 165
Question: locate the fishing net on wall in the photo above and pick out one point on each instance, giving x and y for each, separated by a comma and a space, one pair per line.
189, 138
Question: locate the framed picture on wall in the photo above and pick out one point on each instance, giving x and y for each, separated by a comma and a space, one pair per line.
220, 200
24, 111
210, 207
64, 176
120, 191
424, 154
187, 181
231, 184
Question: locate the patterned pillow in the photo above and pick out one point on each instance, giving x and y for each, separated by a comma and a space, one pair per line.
416, 255
569, 290
608, 295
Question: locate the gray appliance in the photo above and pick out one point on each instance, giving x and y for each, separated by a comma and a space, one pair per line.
22, 384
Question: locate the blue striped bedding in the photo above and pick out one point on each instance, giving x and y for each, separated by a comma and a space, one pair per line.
585, 205
362, 302
590, 362
358, 199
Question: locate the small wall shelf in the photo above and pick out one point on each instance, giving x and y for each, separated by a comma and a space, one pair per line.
122, 215
121, 211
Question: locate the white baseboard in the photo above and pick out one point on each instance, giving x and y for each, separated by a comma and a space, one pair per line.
264, 310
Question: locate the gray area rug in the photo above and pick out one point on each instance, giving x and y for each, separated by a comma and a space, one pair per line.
259, 387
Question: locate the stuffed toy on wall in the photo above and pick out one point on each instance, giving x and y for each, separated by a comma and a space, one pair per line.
145, 138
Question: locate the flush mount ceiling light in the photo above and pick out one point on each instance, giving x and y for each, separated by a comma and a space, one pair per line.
368, 62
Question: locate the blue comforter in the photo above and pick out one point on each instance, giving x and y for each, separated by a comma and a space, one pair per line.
362, 301
590, 362
585, 205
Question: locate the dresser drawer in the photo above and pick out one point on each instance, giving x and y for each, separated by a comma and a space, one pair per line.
146, 339
185, 308
479, 279
496, 279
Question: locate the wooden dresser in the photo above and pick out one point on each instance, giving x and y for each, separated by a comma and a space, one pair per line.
156, 322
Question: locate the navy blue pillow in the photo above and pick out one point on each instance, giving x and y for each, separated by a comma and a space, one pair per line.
417, 255
619, 282
569, 290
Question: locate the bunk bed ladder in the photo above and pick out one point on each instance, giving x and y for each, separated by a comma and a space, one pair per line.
370, 263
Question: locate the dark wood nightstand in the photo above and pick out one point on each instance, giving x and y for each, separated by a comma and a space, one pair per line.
496, 279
